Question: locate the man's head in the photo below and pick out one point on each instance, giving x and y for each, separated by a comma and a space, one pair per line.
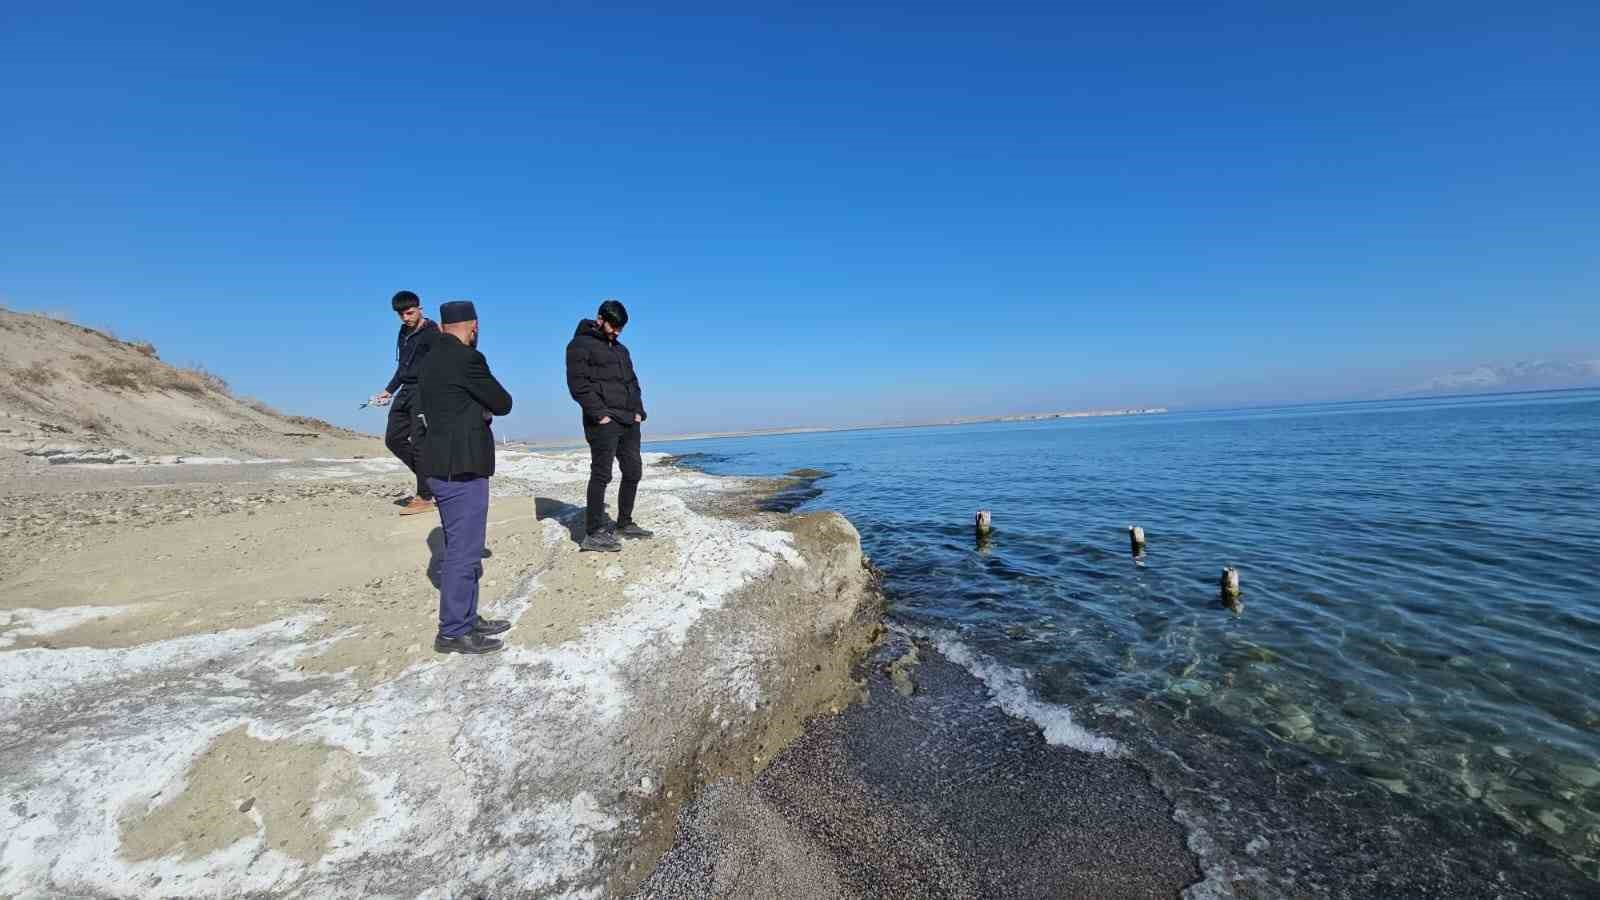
613, 317
409, 307
460, 319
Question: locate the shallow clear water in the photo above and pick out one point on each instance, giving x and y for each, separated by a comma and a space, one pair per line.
1421, 579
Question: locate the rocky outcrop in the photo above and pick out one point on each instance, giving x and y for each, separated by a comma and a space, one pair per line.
310, 753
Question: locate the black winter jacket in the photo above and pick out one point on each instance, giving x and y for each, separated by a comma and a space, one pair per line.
600, 376
410, 348
456, 390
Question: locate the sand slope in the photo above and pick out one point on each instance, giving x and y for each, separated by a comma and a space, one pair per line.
64, 385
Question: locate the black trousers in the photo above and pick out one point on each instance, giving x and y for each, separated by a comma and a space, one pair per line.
400, 437
608, 442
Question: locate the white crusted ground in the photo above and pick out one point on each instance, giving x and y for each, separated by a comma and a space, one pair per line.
218, 763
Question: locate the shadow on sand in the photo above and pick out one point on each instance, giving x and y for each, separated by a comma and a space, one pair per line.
570, 517
436, 555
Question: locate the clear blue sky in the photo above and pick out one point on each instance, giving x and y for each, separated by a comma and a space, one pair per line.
816, 214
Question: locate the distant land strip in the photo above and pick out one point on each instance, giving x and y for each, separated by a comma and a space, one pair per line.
828, 429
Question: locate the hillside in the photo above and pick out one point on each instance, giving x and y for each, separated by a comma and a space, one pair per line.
1525, 375
65, 385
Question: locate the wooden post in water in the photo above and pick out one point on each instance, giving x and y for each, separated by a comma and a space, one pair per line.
984, 524
1136, 538
1230, 585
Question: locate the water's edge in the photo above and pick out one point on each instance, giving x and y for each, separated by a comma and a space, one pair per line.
1259, 816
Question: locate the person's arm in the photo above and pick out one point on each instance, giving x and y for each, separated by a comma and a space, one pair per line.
580, 387
484, 387
638, 391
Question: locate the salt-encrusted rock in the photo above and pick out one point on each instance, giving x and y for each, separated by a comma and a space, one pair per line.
64, 455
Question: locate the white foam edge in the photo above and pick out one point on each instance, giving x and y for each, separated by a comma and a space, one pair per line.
1008, 689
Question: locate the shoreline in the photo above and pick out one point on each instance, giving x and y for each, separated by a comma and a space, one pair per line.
290, 643
1265, 816
555, 444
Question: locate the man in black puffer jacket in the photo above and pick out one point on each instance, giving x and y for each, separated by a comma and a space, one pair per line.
600, 377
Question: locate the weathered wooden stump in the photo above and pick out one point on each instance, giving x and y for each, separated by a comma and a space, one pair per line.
984, 523
1136, 539
1230, 585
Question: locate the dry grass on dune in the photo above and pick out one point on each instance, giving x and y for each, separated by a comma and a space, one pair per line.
147, 372
37, 375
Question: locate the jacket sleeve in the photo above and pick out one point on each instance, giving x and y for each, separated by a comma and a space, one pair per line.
394, 380
485, 388
578, 384
637, 391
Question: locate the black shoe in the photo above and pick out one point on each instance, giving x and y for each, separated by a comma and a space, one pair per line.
490, 626
601, 542
471, 642
632, 530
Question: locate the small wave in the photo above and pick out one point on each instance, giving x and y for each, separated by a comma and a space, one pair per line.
1008, 687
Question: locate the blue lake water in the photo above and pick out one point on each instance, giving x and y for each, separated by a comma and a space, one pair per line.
1421, 581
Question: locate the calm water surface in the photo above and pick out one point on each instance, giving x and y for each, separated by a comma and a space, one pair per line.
1421, 579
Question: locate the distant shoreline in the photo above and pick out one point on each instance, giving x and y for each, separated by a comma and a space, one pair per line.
829, 429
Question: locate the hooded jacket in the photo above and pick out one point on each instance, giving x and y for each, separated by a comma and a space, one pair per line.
600, 376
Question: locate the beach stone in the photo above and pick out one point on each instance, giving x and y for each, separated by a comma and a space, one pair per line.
1298, 726
1330, 744
1379, 771
900, 672
1280, 731
1392, 785
1553, 820
1263, 655
1189, 687
1583, 776
812, 474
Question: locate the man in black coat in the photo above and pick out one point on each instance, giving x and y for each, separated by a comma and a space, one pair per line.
459, 398
600, 377
417, 334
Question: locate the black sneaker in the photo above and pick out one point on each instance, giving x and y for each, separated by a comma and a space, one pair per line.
490, 626
471, 642
632, 530
601, 542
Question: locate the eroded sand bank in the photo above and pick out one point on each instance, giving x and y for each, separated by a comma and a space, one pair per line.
226, 686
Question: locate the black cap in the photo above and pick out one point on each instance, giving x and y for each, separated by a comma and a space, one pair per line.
457, 311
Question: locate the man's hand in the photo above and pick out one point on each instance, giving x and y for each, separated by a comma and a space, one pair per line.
637, 418
381, 396
605, 420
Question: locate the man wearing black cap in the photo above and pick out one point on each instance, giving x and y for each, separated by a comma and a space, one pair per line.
417, 334
459, 398
600, 377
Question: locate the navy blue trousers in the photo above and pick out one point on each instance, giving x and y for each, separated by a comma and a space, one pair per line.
464, 511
